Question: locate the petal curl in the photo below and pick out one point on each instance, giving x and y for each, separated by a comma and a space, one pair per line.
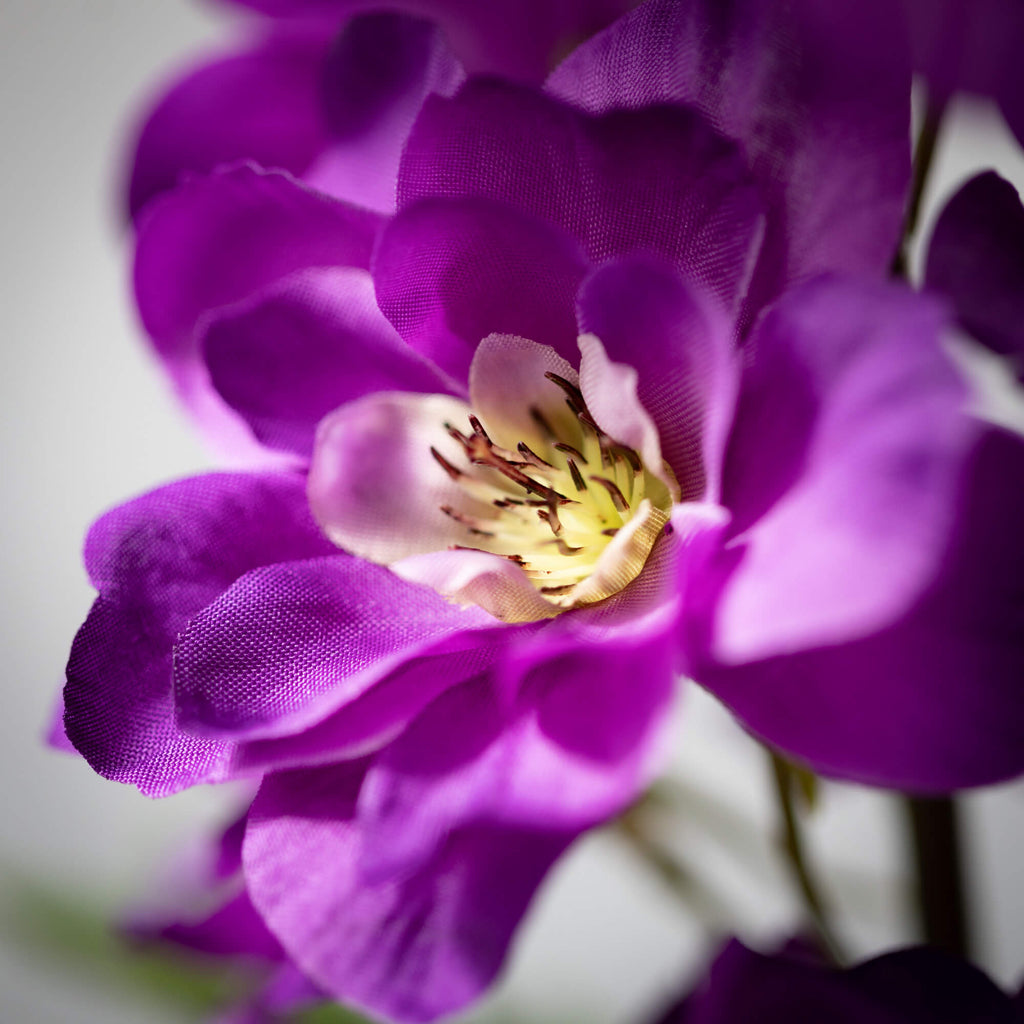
292, 353
156, 562
411, 948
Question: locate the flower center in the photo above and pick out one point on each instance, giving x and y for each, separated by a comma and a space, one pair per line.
579, 516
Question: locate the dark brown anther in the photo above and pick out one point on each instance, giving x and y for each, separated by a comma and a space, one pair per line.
564, 549
566, 385
618, 500
555, 591
550, 516
508, 502
577, 476
451, 470
567, 449
611, 532
619, 451
531, 456
467, 521
478, 427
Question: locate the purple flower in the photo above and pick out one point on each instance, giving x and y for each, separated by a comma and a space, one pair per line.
532, 479
909, 986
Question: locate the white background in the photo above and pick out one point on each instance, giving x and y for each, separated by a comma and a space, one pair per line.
87, 422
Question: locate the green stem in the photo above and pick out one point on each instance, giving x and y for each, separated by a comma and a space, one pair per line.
942, 907
793, 845
924, 156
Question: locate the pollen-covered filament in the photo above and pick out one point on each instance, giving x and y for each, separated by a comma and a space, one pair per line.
579, 513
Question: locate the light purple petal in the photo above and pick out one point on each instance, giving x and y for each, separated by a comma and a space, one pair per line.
290, 643
216, 240
259, 103
156, 562
931, 703
294, 352
681, 345
411, 948
976, 259
450, 272
684, 192
826, 127
842, 468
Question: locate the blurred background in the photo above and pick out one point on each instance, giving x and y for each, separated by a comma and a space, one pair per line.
88, 422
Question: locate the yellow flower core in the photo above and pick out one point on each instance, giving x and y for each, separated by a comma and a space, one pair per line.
579, 516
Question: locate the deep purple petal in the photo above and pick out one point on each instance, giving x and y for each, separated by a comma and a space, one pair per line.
825, 127
976, 258
296, 351
156, 562
682, 348
260, 103
378, 72
909, 986
413, 947
683, 192
933, 702
450, 272
519, 39
216, 240
292, 642
842, 467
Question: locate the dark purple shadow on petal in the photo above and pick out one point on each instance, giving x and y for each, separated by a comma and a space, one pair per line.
261, 103
827, 131
298, 350
682, 192
931, 703
156, 562
450, 272
681, 346
413, 947
976, 259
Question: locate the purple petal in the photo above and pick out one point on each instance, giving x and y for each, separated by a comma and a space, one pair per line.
290, 643
564, 738
842, 467
260, 103
216, 240
684, 192
519, 39
156, 562
411, 948
682, 348
374, 81
976, 258
297, 350
450, 272
826, 130
932, 702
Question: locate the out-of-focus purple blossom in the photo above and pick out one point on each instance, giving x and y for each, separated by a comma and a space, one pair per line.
910, 986
532, 479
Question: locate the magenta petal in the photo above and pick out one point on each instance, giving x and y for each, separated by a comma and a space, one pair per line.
681, 345
450, 272
289, 643
215, 241
683, 192
411, 948
826, 130
261, 103
976, 258
842, 467
156, 562
301, 348
933, 702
